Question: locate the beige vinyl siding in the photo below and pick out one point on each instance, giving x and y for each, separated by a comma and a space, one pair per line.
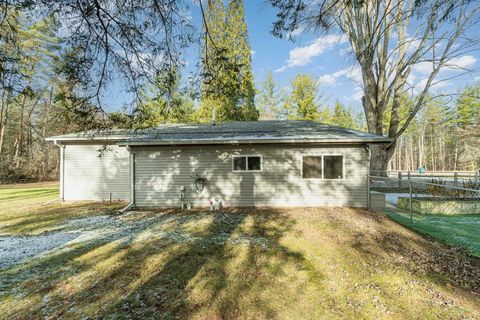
90, 177
161, 171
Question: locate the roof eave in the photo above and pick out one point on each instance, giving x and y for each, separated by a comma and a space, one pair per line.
80, 139
255, 141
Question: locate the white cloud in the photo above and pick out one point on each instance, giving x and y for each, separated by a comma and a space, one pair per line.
454, 64
301, 56
420, 85
423, 67
327, 79
356, 96
461, 63
352, 73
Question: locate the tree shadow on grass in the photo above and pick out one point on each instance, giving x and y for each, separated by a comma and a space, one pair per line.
209, 275
174, 265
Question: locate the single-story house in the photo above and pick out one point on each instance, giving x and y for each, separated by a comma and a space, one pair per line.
258, 163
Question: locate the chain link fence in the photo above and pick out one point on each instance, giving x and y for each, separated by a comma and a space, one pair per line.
448, 212
429, 196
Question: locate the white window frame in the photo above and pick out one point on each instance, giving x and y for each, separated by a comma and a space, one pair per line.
323, 169
246, 165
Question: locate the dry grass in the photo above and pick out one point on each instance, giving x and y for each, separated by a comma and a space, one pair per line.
247, 264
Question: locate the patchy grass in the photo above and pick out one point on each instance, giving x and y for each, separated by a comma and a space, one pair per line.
457, 230
307, 263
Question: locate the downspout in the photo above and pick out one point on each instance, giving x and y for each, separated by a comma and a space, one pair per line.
131, 204
369, 150
62, 169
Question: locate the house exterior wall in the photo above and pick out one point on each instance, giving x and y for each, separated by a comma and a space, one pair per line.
86, 176
160, 172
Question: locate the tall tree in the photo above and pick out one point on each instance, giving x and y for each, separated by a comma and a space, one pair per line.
342, 116
127, 41
227, 88
163, 102
377, 33
302, 103
467, 123
270, 99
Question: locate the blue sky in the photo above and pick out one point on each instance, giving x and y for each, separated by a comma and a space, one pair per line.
324, 57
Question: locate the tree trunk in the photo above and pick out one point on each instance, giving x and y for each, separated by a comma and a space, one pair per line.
380, 156
18, 146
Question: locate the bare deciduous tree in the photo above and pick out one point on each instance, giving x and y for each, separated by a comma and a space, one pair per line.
388, 38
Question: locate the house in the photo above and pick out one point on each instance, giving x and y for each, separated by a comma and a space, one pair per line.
258, 163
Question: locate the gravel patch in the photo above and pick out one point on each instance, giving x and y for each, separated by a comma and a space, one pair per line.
19, 249
16, 249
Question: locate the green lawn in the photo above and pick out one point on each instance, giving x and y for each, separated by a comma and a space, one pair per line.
33, 210
311, 263
458, 230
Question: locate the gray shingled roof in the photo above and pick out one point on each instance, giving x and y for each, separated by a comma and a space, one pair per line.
230, 132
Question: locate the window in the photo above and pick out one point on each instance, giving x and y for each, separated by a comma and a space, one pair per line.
329, 167
239, 163
312, 167
247, 163
333, 167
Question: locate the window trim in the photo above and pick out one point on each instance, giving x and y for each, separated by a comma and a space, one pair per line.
246, 164
323, 169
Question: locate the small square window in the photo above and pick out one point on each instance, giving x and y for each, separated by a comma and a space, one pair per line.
312, 167
239, 163
254, 163
247, 163
333, 167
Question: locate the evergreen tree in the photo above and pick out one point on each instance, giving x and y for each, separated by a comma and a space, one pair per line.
342, 116
302, 103
270, 99
467, 124
227, 84
468, 107
163, 102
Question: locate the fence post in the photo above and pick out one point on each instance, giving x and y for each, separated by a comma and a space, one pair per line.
399, 179
411, 200
455, 178
409, 176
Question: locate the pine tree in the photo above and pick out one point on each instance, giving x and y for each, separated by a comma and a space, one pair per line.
270, 99
467, 123
241, 54
303, 100
468, 106
163, 102
227, 84
342, 116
